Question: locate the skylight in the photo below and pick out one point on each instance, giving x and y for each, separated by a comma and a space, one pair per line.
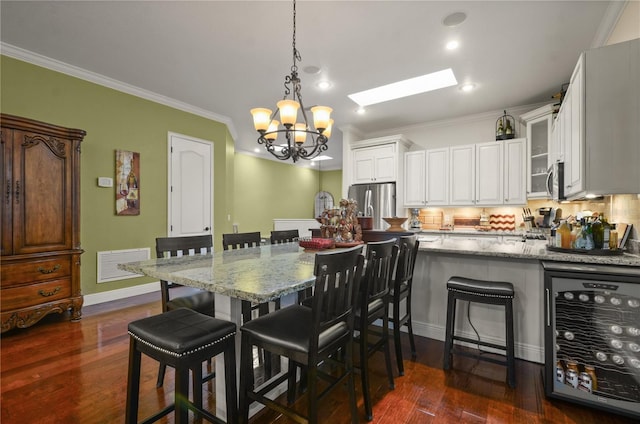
408, 87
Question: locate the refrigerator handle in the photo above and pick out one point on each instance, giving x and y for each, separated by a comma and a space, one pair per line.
548, 300
367, 201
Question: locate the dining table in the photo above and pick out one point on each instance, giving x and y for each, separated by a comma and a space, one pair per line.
256, 274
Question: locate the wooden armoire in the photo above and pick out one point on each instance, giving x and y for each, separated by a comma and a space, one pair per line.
40, 256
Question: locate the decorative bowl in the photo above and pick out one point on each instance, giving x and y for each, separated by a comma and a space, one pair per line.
395, 223
316, 243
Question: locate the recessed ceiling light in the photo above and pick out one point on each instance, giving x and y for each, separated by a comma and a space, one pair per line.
454, 19
361, 111
408, 87
322, 157
452, 45
467, 87
311, 69
324, 85
256, 150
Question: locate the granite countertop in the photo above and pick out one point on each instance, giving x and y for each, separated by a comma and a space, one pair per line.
257, 274
531, 249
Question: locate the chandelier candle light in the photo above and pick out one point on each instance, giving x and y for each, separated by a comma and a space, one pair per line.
302, 142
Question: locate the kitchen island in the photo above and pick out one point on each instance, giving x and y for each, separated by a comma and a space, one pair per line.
507, 260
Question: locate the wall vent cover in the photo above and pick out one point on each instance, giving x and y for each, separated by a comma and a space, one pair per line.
108, 263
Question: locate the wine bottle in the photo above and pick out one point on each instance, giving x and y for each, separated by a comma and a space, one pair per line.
606, 233
598, 233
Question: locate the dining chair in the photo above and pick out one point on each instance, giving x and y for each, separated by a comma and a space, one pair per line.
309, 336
202, 301
241, 240
399, 298
372, 306
284, 236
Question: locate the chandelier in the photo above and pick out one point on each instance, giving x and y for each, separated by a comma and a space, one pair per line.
302, 142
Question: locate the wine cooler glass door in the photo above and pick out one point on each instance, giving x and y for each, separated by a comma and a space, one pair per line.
593, 341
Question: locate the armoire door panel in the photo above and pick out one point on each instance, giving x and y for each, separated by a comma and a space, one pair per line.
42, 206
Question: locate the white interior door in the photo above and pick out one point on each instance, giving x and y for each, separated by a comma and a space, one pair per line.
190, 186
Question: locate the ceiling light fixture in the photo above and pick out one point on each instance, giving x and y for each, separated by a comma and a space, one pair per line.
454, 19
296, 134
408, 87
467, 87
452, 45
324, 85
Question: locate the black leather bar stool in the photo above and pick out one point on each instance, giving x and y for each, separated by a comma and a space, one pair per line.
183, 339
490, 292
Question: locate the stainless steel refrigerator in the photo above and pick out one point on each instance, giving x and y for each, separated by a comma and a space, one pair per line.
375, 200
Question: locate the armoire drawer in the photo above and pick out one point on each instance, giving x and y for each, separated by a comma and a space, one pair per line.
34, 294
20, 273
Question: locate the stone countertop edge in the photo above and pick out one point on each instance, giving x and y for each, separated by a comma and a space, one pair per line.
531, 249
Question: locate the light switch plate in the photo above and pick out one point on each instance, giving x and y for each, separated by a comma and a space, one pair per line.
105, 182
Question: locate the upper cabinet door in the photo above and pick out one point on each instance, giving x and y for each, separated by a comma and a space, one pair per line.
43, 186
489, 173
375, 164
539, 149
363, 166
574, 135
415, 179
462, 165
515, 174
437, 162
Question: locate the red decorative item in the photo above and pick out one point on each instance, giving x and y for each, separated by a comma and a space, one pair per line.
317, 243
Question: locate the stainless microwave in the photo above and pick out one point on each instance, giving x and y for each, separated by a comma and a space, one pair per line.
555, 181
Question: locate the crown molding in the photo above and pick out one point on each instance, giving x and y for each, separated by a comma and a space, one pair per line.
74, 71
608, 23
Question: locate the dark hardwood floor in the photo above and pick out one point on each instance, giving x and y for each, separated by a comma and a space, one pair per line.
76, 372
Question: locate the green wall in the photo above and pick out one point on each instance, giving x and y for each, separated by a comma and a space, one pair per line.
113, 120
331, 181
266, 189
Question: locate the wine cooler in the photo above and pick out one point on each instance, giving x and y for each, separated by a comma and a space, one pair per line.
592, 335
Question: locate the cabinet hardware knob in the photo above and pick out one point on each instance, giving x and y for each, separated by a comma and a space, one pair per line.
50, 293
48, 271
206, 228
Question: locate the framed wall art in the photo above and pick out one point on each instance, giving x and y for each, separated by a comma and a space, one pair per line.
128, 187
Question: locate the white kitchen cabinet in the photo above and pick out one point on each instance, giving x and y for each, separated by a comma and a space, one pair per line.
437, 177
375, 164
415, 179
602, 109
489, 174
462, 175
557, 149
425, 178
515, 172
486, 174
572, 132
539, 149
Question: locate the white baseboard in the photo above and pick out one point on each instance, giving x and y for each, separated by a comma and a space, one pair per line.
95, 298
522, 351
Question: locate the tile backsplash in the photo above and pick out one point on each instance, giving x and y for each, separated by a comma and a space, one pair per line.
620, 208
